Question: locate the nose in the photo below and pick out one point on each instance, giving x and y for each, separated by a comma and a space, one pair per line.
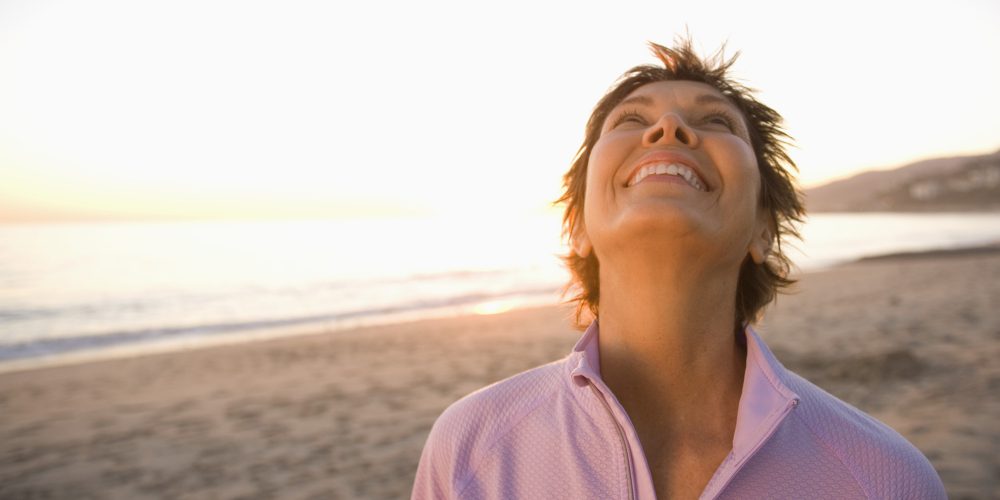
669, 128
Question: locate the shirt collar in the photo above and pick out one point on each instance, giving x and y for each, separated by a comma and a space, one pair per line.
762, 402
587, 356
765, 396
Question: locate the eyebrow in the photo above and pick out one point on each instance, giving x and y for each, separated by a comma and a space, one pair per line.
637, 99
711, 99
645, 100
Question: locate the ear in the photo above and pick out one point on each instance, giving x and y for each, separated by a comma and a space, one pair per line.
760, 243
580, 241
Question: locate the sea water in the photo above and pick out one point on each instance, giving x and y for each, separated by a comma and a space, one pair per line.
95, 289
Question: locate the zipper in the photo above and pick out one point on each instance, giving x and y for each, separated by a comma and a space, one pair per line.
753, 451
621, 437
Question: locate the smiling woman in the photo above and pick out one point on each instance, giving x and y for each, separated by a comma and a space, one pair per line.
720, 108
676, 207
674, 132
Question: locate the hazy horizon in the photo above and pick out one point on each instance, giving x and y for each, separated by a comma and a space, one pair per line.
113, 110
11, 215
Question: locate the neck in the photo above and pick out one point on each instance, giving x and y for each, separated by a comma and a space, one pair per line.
668, 345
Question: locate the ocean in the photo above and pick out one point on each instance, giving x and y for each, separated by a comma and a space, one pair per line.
91, 290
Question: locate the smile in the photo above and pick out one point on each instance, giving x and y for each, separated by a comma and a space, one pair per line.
664, 168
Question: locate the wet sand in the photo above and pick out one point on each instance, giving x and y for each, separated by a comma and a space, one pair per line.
913, 340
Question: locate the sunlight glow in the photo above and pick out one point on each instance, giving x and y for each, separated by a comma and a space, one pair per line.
493, 307
219, 108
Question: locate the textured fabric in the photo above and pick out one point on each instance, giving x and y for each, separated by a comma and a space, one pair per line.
557, 431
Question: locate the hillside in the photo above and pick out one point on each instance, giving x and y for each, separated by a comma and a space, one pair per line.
960, 184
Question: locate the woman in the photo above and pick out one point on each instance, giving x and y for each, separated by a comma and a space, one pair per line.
676, 206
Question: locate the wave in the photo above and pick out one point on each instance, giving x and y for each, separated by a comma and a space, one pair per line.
68, 344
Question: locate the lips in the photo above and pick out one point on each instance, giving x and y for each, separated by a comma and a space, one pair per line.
667, 163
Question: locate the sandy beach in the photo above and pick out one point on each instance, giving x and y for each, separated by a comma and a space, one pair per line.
913, 340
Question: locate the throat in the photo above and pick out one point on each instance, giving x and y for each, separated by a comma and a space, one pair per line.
685, 469
684, 410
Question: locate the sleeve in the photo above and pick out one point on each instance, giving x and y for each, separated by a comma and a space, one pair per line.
440, 471
915, 477
433, 481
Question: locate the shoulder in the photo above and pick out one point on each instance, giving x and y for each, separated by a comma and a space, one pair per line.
883, 462
473, 425
493, 410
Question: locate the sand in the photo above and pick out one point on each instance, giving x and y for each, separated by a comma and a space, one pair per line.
911, 340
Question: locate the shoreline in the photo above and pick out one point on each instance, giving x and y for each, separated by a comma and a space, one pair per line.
961, 251
170, 345
345, 414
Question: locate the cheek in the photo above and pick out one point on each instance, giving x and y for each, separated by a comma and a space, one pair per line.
607, 154
738, 158
604, 158
595, 165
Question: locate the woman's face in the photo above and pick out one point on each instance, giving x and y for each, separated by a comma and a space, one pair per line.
674, 161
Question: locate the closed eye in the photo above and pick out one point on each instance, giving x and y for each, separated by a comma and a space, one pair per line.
628, 116
720, 119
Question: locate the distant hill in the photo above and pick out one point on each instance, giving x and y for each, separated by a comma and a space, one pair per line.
959, 184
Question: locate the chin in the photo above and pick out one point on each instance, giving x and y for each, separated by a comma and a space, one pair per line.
660, 225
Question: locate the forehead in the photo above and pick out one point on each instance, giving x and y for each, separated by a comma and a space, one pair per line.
677, 93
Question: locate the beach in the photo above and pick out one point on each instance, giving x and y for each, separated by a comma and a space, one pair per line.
911, 339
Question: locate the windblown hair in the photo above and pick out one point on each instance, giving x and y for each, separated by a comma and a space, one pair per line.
758, 285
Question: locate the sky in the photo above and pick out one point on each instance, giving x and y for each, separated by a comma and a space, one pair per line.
242, 109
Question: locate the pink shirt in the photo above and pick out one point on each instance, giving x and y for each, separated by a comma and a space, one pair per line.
557, 431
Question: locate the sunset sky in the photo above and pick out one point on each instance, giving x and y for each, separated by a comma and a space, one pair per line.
181, 109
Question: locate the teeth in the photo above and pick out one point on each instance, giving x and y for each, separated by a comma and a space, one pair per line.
669, 169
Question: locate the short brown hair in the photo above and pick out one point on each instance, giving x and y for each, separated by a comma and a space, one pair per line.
758, 284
